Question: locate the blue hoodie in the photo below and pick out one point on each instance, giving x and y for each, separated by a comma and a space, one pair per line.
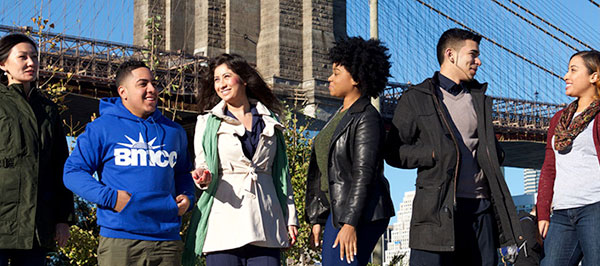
147, 158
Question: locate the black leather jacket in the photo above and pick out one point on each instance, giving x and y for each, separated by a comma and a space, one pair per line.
358, 190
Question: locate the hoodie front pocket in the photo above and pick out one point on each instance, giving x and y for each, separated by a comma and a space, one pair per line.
150, 212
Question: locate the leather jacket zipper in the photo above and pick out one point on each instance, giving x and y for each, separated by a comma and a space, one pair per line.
443, 117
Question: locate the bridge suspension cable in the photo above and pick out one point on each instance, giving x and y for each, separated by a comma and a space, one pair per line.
593, 2
535, 25
491, 40
547, 23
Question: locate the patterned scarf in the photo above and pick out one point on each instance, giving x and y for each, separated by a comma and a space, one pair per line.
566, 130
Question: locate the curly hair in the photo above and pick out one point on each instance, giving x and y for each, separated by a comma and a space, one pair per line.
367, 61
256, 87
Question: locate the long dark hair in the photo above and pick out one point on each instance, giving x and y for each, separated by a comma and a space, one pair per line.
7, 43
256, 87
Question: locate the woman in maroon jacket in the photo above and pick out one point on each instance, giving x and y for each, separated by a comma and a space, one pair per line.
570, 178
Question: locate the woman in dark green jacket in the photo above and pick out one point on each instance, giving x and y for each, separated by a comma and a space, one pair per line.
35, 206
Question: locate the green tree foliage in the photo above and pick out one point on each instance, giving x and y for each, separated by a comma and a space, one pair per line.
83, 243
299, 143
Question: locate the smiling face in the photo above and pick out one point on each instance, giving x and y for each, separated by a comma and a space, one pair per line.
229, 86
21, 65
579, 81
138, 93
467, 60
341, 82
462, 61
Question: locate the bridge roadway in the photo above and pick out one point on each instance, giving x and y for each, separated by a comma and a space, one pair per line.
87, 68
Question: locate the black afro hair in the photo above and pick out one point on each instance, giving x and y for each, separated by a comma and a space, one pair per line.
367, 61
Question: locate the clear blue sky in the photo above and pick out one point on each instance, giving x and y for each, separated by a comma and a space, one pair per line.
113, 20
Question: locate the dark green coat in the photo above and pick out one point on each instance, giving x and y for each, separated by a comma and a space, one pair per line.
33, 149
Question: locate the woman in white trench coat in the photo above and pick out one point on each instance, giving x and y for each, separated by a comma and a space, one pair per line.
246, 213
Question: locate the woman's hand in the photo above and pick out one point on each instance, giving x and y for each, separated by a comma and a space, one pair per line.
202, 177
346, 238
62, 234
315, 236
543, 227
293, 232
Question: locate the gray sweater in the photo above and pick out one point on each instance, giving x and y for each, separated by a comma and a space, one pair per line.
471, 182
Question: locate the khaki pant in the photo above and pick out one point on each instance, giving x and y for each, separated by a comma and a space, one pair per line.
117, 251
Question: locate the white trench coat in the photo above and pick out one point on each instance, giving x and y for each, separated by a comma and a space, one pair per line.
246, 209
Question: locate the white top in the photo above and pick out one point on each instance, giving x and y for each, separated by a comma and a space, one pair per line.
246, 209
577, 180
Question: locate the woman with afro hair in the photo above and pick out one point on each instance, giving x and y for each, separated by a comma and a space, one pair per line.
347, 194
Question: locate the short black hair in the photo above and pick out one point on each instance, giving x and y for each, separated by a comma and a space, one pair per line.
8, 42
451, 38
367, 61
125, 69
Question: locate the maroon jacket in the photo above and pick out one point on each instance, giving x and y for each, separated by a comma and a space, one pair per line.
546, 185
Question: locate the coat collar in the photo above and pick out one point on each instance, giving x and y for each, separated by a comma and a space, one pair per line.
359, 105
432, 84
236, 127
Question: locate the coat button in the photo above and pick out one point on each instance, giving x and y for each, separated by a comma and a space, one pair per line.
333, 202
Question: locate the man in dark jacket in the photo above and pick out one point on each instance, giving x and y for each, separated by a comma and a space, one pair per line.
462, 208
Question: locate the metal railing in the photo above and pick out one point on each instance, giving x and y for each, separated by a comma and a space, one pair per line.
94, 62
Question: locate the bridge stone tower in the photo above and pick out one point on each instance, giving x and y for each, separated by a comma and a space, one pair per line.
287, 40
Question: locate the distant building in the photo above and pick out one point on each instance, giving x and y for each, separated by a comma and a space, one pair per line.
531, 178
398, 236
525, 202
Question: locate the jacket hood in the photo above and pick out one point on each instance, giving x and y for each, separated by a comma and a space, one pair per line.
114, 106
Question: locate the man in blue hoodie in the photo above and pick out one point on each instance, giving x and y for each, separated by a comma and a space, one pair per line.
144, 184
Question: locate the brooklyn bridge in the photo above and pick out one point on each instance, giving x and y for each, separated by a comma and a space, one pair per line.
522, 106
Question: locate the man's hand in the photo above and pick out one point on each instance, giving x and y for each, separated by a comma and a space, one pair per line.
543, 227
122, 199
183, 203
315, 236
202, 177
293, 232
346, 238
62, 234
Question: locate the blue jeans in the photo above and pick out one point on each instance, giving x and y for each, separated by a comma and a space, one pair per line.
367, 235
572, 233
